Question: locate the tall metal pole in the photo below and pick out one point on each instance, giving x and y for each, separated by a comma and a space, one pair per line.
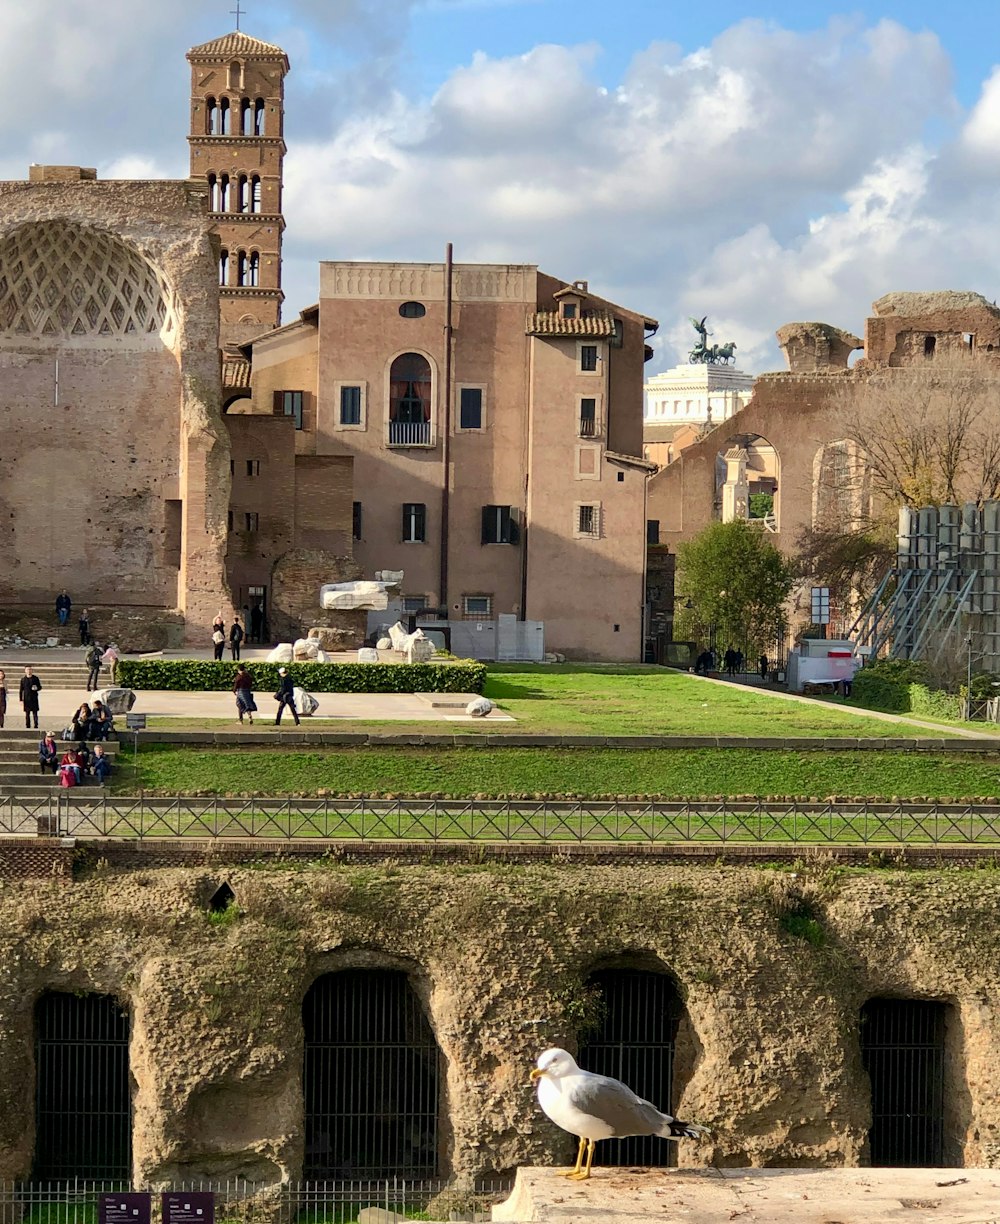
446, 440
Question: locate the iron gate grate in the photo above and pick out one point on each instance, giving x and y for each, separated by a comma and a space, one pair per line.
635, 1043
902, 1047
370, 1078
83, 1116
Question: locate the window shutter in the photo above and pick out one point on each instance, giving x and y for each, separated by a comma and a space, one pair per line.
515, 531
277, 403
404, 529
487, 537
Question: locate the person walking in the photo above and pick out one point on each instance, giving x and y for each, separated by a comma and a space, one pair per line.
84, 624
28, 691
256, 618
236, 636
3, 698
285, 696
64, 605
243, 688
762, 664
93, 661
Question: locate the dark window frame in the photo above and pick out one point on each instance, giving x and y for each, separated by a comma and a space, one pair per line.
499, 525
589, 358
472, 410
351, 414
414, 524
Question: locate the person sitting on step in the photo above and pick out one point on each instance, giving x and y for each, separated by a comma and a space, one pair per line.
69, 767
100, 765
81, 724
101, 722
48, 753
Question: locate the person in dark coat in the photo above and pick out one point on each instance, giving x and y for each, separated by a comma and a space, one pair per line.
256, 620
84, 624
762, 664
93, 661
243, 688
64, 605
3, 697
285, 696
28, 691
236, 636
81, 723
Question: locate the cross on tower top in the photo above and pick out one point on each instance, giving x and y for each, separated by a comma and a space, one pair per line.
238, 13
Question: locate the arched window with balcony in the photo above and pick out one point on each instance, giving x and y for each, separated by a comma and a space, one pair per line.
410, 401
258, 117
223, 267
255, 198
253, 269
211, 117
224, 118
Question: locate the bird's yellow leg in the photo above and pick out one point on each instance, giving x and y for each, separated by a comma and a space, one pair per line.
575, 1171
582, 1172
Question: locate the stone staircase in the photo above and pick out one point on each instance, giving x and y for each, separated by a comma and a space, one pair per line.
19, 773
54, 674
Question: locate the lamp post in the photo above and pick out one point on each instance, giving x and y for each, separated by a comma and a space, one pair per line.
968, 679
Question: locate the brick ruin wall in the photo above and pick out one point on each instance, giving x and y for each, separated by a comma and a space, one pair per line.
768, 1053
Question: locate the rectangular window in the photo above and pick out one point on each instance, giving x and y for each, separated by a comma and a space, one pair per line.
414, 603
252, 520
350, 405
499, 525
356, 520
587, 516
588, 418
289, 403
652, 531
588, 358
569, 310
470, 411
253, 467
477, 607
414, 522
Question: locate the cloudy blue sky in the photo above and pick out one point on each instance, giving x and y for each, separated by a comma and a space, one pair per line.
758, 164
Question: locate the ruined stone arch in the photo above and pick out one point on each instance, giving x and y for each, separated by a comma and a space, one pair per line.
747, 465
62, 280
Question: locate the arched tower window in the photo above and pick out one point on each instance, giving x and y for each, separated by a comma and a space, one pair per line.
211, 117
253, 269
224, 267
213, 191
634, 1042
258, 117
83, 1125
241, 267
246, 117
224, 117
223, 194
236, 75
410, 400
371, 1078
255, 193
243, 194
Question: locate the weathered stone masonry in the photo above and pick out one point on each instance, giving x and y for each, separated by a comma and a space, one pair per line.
768, 1055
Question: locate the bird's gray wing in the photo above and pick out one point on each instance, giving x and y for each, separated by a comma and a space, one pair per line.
617, 1105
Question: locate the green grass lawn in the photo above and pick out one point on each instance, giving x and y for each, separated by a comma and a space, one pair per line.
470, 772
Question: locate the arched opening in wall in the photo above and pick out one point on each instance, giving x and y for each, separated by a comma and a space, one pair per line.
410, 400
255, 193
634, 1041
224, 117
211, 117
253, 269
746, 482
370, 1079
258, 117
222, 195
243, 194
246, 117
903, 1051
842, 494
223, 267
241, 268
235, 75
83, 1111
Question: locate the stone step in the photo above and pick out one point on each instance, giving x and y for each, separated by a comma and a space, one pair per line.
31, 777
22, 750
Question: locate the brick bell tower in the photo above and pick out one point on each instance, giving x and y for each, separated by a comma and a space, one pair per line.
238, 148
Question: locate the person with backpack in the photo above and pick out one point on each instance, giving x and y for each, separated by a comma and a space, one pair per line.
93, 661
236, 636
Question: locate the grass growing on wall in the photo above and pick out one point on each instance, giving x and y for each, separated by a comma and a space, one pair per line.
467, 772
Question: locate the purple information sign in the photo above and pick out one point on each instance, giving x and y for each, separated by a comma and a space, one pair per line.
189, 1207
127, 1208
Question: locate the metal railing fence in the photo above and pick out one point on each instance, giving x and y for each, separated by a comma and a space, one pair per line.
513, 821
75, 1201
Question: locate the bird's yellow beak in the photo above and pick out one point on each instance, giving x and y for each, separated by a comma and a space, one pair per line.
536, 1074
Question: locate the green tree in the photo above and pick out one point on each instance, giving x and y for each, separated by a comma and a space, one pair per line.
735, 580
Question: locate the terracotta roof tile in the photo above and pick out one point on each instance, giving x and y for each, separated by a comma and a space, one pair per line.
236, 43
549, 323
235, 372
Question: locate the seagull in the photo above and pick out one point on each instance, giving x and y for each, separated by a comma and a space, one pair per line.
596, 1107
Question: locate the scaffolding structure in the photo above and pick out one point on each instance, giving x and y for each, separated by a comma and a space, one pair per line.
943, 591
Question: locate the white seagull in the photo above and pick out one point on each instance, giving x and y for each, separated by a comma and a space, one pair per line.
596, 1107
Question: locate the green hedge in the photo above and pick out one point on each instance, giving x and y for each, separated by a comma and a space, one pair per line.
900, 686
191, 675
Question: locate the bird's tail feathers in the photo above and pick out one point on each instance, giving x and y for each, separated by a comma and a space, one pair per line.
674, 1128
